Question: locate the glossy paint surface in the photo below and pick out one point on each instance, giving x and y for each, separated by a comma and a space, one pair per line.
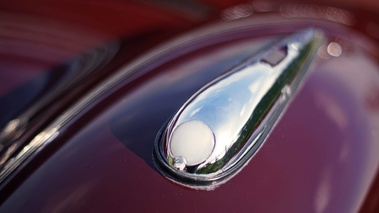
52, 55
321, 157
38, 40
106, 162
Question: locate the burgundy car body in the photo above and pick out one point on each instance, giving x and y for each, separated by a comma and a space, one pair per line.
322, 156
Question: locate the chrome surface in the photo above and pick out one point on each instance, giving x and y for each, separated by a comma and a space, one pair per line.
209, 35
222, 125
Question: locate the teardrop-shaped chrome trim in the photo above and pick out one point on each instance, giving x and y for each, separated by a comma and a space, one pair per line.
218, 130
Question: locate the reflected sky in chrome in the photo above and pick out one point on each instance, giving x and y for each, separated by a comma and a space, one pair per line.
227, 106
241, 107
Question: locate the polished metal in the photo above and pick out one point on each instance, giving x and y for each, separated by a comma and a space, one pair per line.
208, 36
221, 126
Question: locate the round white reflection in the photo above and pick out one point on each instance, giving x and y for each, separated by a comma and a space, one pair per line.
192, 140
334, 49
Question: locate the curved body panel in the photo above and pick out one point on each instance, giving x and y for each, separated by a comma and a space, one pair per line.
322, 156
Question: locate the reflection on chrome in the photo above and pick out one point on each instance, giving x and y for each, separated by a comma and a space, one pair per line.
221, 126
